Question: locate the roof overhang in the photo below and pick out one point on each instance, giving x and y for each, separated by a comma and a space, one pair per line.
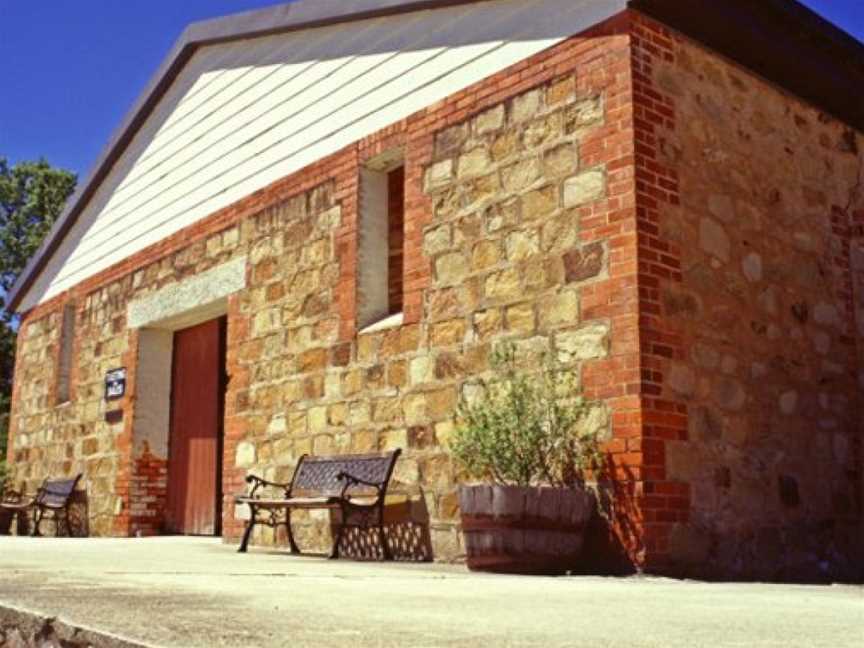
779, 39
782, 41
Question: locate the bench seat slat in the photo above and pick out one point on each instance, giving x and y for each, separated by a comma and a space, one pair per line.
16, 506
294, 502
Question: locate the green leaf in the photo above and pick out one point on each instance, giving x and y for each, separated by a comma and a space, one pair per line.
525, 427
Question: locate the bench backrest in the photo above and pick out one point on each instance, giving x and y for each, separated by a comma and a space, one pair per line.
320, 475
57, 492
8, 495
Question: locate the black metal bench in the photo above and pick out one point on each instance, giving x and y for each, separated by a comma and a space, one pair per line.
52, 497
356, 485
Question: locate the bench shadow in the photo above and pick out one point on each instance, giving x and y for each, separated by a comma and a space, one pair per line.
79, 515
406, 532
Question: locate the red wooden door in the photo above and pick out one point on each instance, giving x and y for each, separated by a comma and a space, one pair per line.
194, 464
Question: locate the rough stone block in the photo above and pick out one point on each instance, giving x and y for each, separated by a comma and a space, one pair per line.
584, 188
490, 120
521, 175
588, 342
561, 160
540, 203
682, 380
521, 245
447, 333
505, 146
585, 263
503, 286
438, 175
437, 240
559, 310
449, 141
713, 239
526, 106
474, 163
485, 255
561, 91
245, 455
421, 370
520, 318
540, 131
317, 417
451, 268
583, 114
721, 207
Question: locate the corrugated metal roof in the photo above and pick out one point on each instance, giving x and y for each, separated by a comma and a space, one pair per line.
779, 39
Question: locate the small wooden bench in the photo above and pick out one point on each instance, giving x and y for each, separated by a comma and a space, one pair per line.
52, 497
354, 484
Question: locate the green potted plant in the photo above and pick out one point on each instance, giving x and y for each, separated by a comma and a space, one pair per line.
523, 435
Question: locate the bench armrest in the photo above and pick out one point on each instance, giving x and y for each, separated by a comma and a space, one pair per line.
19, 504
11, 496
351, 480
258, 482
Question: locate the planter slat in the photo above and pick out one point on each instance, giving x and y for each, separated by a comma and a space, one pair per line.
524, 530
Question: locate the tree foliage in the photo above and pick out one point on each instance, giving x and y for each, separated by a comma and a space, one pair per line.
526, 428
32, 196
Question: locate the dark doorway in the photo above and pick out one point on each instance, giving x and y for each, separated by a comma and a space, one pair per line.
195, 443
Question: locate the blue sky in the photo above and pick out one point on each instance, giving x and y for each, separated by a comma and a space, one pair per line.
70, 69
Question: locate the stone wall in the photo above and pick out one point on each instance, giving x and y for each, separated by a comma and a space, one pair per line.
753, 319
506, 207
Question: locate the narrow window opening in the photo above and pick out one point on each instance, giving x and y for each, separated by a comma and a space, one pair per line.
381, 246
396, 218
64, 367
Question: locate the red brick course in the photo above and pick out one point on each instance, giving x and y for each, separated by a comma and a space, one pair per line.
663, 502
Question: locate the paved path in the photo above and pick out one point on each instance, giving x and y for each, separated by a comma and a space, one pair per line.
199, 592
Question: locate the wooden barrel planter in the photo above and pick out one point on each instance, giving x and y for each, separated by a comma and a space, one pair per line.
524, 530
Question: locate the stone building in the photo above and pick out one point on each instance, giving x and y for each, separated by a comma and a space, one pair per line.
329, 211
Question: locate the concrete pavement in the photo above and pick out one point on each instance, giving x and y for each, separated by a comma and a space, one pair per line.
198, 592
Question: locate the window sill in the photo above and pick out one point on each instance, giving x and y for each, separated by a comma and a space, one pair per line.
391, 321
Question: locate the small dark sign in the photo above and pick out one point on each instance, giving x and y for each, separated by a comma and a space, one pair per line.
115, 384
114, 416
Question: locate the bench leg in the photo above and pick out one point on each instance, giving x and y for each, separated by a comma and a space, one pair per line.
248, 532
22, 523
292, 544
66, 522
334, 552
37, 520
385, 548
